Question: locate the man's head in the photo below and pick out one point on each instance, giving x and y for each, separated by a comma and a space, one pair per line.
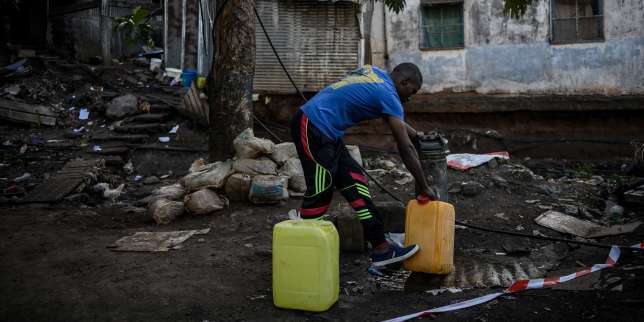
407, 79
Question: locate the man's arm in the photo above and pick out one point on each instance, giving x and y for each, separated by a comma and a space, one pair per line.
411, 132
408, 154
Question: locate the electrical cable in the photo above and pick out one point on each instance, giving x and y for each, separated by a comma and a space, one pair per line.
277, 55
392, 195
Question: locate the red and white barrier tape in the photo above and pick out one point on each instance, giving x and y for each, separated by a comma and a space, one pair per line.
521, 285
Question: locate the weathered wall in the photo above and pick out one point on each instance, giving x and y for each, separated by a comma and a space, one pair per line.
503, 55
75, 30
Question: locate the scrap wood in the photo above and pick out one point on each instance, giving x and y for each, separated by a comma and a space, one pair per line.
568, 224
147, 241
74, 176
23, 112
464, 161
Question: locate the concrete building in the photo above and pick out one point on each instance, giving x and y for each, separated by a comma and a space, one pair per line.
558, 47
568, 73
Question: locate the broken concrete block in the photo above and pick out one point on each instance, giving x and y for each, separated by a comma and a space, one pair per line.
471, 188
122, 106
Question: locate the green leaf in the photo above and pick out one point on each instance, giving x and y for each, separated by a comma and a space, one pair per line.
516, 8
396, 6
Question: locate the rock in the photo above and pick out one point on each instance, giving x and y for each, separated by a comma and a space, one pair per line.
151, 180
386, 164
472, 188
501, 215
455, 189
516, 248
69, 134
499, 181
283, 152
204, 201
548, 190
492, 164
571, 209
197, 165
164, 211
122, 106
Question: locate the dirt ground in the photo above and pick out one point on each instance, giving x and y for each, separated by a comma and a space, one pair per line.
56, 267
56, 263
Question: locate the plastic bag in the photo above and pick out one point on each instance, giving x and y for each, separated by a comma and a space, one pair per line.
268, 189
214, 176
247, 146
204, 201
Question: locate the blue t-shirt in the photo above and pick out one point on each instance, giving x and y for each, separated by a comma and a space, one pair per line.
364, 94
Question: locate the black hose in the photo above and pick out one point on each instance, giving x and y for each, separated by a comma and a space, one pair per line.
277, 55
392, 195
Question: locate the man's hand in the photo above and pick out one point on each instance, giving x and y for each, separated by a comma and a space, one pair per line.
408, 154
431, 193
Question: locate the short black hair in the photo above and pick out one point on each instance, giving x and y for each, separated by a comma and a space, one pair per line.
411, 71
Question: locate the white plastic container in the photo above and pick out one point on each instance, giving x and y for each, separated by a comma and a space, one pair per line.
155, 63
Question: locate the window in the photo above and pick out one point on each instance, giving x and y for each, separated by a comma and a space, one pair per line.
577, 21
442, 26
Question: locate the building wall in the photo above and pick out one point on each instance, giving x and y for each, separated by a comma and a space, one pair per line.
75, 29
505, 55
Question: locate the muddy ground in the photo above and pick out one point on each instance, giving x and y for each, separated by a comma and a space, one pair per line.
56, 263
56, 266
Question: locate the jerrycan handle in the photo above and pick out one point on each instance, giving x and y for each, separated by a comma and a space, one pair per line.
423, 198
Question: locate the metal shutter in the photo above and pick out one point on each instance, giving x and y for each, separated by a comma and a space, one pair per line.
317, 41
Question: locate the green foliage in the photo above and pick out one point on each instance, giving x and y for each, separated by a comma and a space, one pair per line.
516, 8
584, 171
136, 27
396, 6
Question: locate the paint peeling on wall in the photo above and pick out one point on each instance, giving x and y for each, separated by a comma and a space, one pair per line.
504, 55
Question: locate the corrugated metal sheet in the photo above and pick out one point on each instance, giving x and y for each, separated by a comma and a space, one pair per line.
317, 41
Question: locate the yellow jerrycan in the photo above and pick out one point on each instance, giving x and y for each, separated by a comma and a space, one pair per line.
306, 265
430, 225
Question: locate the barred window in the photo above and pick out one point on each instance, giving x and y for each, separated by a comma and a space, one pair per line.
577, 21
442, 26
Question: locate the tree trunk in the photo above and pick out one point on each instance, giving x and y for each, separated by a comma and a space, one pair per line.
230, 97
366, 32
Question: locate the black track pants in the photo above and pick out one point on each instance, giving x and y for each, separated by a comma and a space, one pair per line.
327, 164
